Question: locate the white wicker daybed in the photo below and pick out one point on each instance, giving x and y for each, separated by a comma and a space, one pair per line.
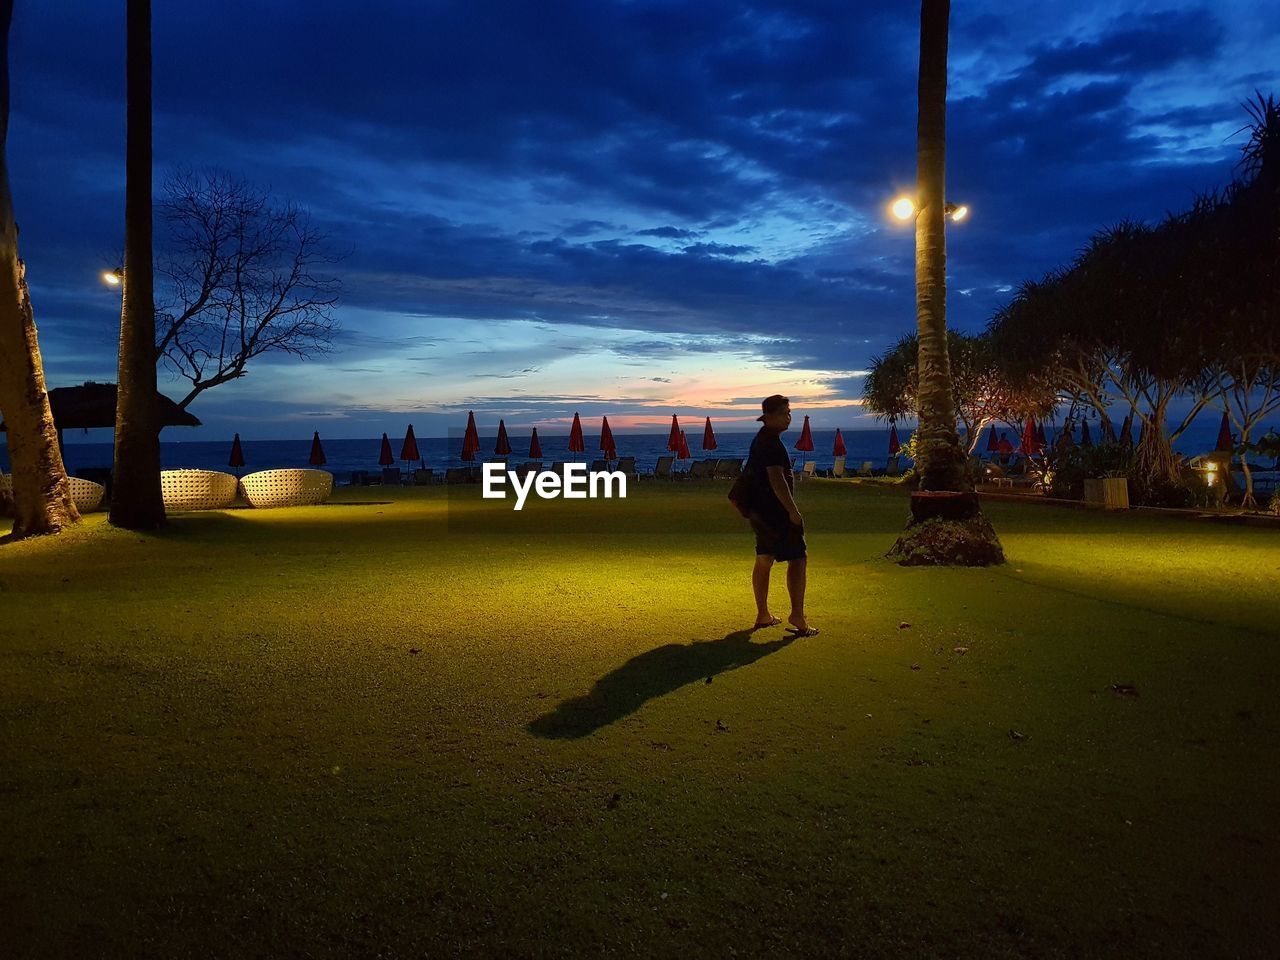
287, 488
86, 494
197, 489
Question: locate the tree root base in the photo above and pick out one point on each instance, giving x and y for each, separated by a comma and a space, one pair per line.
939, 542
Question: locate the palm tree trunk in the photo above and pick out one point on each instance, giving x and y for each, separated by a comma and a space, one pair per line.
41, 495
136, 499
941, 460
947, 525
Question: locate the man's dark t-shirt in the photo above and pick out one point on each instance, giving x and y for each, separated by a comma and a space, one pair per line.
768, 450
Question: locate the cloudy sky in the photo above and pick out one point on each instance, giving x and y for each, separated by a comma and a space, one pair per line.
636, 207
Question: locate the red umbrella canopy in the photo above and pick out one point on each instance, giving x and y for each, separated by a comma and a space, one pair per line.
409, 450
673, 441
237, 454
682, 448
894, 446
1224, 444
838, 450
1004, 446
993, 441
503, 446
535, 448
708, 436
386, 458
1030, 443
806, 437
1086, 440
576, 443
470, 439
606, 441
317, 451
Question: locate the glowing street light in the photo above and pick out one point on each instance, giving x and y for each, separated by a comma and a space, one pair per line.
113, 277
904, 208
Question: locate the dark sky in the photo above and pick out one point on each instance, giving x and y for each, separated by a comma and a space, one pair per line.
632, 208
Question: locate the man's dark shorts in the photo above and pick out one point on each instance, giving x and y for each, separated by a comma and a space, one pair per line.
778, 537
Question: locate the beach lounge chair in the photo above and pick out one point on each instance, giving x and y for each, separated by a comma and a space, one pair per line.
391, 476
865, 469
455, 475
837, 469
558, 467
626, 465
359, 478
701, 469
599, 466
809, 469
728, 468
475, 473
662, 470
422, 478
891, 468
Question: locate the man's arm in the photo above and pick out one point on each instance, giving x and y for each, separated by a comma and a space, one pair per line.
778, 482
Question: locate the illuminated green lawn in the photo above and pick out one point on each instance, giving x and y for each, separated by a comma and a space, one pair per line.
433, 726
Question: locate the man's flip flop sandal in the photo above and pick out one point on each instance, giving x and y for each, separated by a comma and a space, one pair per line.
797, 632
771, 623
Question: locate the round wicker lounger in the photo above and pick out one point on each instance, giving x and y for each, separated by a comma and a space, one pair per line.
287, 488
86, 494
197, 489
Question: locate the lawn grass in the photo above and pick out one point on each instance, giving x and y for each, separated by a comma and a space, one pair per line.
432, 727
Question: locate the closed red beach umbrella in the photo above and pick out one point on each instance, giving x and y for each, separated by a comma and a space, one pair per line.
470, 439
1126, 431
806, 437
535, 448
503, 446
1041, 439
1086, 439
317, 451
1225, 443
1004, 446
1030, 441
708, 436
409, 449
993, 441
606, 441
386, 458
894, 446
576, 443
237, 454
673, 440
838, 450
1065, 438
682, 448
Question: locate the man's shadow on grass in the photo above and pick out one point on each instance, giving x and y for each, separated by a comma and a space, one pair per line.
649, 675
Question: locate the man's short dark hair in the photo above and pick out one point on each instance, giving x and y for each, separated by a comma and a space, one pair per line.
773, 404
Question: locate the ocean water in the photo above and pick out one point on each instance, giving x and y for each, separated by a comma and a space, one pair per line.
344, 456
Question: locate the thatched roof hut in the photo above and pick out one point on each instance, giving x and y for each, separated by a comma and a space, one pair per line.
93, 405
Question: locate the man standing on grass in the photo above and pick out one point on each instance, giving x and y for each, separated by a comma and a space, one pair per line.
774, 517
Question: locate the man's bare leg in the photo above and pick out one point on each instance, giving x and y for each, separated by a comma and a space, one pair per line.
760, 584
795, 587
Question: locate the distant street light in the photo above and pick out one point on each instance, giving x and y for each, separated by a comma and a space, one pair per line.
113, 277
904, 208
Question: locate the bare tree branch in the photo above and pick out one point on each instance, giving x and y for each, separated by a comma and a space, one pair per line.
240, 276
